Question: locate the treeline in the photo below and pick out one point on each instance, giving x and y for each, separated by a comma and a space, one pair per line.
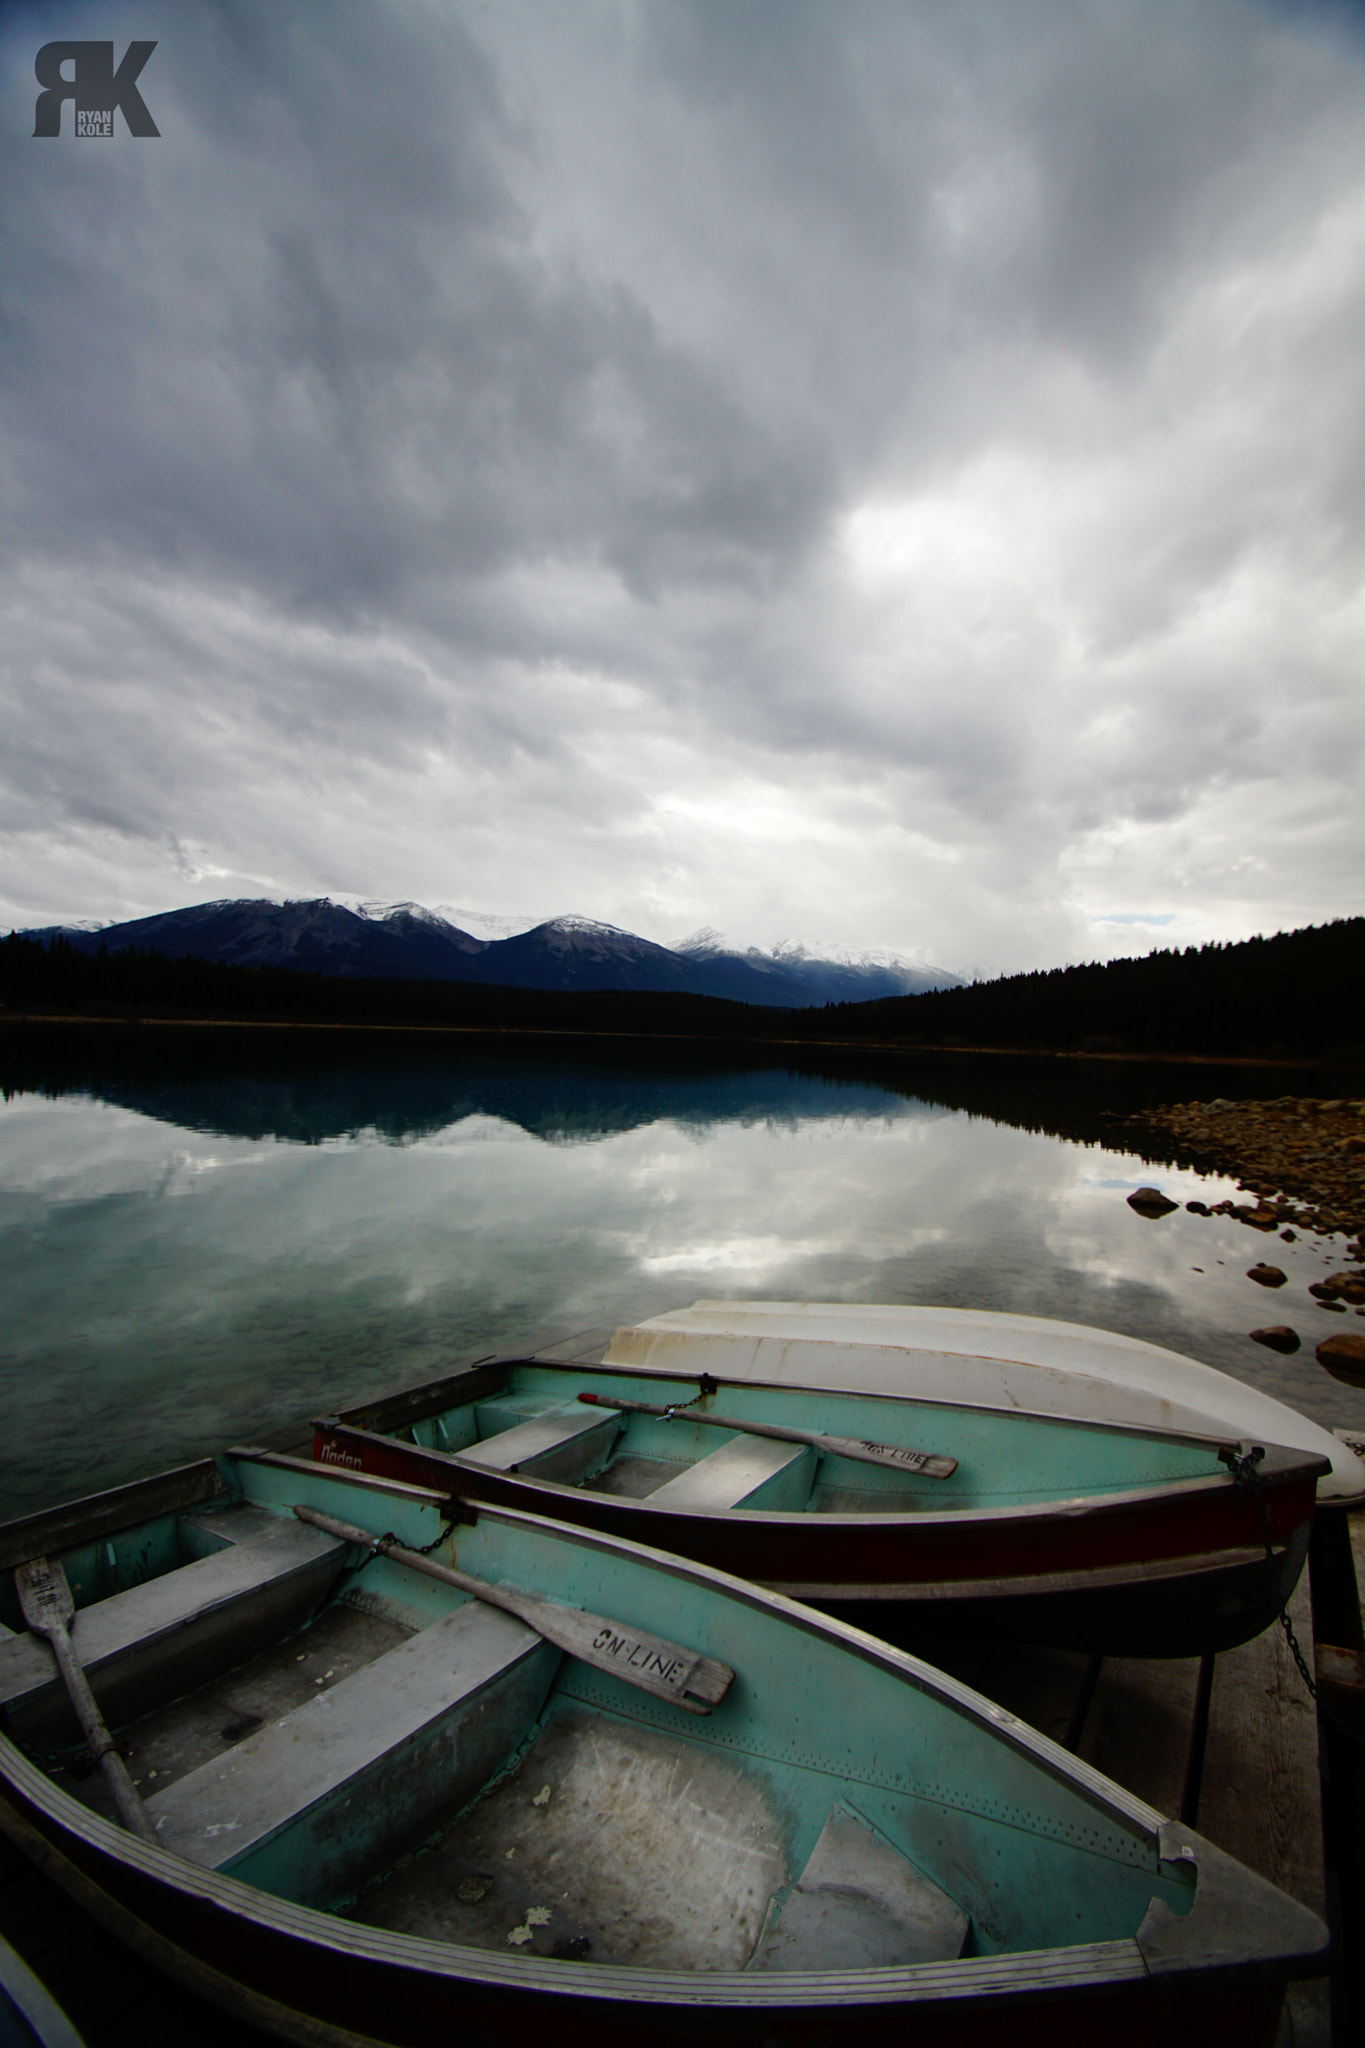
56, 978
1299, 995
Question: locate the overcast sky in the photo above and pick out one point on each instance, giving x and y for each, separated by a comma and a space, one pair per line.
818, 468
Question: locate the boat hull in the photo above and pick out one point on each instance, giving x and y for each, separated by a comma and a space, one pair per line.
1179, 1934
1174, 1571
317, 1987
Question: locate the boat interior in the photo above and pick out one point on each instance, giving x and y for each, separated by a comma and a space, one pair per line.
536, 1424
332, 1728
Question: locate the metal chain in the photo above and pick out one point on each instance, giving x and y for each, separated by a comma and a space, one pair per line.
1247, 1479
705, 1386
375, 1548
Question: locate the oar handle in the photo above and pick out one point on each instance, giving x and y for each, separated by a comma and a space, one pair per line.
896, 1457
656, 1666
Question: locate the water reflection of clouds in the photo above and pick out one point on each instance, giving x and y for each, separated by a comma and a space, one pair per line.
734, 1254
75, 1150
176, 1288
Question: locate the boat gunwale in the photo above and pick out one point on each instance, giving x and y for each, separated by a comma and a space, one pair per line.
111, 1509
1100, 1425
1281, 1467
1099, 1579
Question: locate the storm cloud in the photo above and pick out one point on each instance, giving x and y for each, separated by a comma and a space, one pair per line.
881, 471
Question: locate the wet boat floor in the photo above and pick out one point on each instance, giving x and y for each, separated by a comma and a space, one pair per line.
609, 1842
175, 1740
612, 1843
634, 1478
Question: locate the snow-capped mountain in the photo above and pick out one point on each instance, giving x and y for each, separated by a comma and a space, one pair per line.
484, 925
824, 971
360, 936
316, 937
489, 924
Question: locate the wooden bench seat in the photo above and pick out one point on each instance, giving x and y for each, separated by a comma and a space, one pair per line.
343, 1786
564, 1444
755, 1471
157, 1640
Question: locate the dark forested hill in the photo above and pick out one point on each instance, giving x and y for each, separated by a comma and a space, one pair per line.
56, 977
1299, 994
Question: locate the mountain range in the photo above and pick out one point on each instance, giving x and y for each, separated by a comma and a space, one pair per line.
407, 942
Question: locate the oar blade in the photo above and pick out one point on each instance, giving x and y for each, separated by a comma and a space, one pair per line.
651, 1662
44, 1595
927, 1464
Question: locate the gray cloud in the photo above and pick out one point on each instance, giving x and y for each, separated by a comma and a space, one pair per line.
887, 469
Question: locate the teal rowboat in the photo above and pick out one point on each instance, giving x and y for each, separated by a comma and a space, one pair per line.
387, 1811
909, 1515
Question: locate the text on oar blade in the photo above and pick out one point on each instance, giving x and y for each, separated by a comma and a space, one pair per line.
637, 1656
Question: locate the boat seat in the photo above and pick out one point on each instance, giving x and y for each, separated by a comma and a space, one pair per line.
147, 1645
309, 1806
217, 1529
860, 1906
565, 1444
747, 1471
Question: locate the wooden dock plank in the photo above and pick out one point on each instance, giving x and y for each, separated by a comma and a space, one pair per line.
1356, 1525
34, 1916
1139, 1727
1047, 1688
1260, 1795
172, 2018
111, 1995
96, 1980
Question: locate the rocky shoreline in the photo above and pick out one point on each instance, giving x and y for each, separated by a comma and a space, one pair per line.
1304, 1161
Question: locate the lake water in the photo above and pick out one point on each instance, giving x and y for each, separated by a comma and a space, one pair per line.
203, 1236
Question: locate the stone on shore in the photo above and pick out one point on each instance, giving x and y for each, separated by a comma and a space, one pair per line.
1151, 1202
1277, 1337
1267, 1276
1344, 1358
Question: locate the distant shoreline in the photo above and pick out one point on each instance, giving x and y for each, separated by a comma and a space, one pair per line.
900, 1047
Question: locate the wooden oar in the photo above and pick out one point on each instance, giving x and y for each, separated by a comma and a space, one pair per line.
649, 1662
48, 1607
928, 1463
